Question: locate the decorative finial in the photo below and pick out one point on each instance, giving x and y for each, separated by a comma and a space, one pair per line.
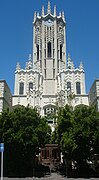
69, 61
69, 58
63, 16
29, 63
49, 8
55, 10
34, 16
26, 66
60, 14
30, 57
37, 14
42, 10
81, 66
72, 64
18, 67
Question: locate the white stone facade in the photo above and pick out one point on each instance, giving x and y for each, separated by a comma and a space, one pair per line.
5, 96
49, 80
94, 94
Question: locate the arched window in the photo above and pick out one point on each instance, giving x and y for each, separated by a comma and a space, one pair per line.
49, 110
69, 85
61, 51
21, 88
37, 52
30, 86
78, 88
49, 53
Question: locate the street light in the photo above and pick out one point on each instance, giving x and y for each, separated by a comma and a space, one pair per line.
1, 150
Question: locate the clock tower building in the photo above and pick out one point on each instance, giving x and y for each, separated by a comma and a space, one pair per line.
48, 80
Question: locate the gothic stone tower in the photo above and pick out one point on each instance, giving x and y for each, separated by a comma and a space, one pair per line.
49, 52
48, 80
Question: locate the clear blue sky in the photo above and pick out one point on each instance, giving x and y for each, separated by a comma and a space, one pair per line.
82, 17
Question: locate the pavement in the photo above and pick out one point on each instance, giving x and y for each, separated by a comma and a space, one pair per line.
53, 176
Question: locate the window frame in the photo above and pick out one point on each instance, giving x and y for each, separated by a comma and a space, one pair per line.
21, 88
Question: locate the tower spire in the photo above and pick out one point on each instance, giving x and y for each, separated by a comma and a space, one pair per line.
55, 10
63, 16
49, 8
42, 10
34, 16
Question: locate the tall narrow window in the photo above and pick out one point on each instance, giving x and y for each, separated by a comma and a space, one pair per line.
78, 88
37, 52
53, 63
21, 88
45, 42
45, 53
53, 53
49, 49
40, 54
58, 65
53, 42
30, 86
54, 73
69, 86
60, 51
57, 43
45, 73
45, 63
40, 64
44, 111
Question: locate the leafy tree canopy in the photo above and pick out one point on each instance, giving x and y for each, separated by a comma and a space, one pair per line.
23, 131
78, 133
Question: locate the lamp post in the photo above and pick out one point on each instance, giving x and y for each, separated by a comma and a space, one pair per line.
1, 150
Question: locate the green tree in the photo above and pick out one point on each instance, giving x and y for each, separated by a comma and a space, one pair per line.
78, 134
86, 134
64, 124
23, 131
